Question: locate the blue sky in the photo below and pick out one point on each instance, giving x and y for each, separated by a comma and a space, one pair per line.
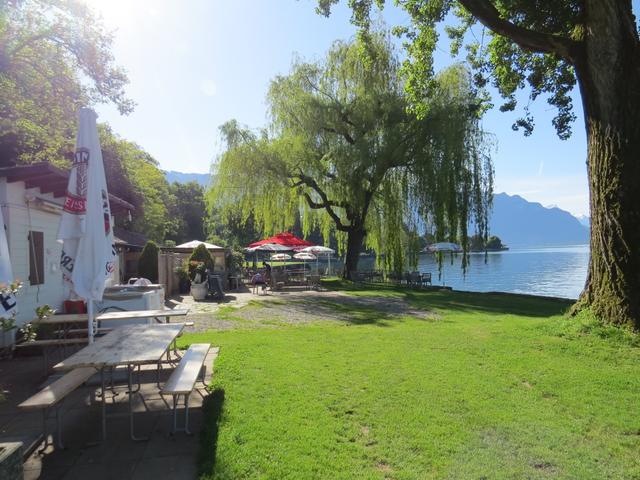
195, 64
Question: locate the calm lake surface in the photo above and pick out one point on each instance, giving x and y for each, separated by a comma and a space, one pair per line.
549, 271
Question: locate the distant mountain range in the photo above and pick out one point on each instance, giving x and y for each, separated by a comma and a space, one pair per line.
518, 223
180, 177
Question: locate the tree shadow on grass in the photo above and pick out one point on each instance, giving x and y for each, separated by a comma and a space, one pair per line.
212, 409
461, 301
492, 302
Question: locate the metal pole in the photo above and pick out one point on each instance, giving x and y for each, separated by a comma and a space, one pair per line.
91, 319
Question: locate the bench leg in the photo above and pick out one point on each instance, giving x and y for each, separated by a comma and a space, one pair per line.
175, 428
131, 393
186, 414
59, 426
175, 414
104, 405
45, 434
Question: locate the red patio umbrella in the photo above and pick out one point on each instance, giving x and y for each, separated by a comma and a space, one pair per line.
287, 239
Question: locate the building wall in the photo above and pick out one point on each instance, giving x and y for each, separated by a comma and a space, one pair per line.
20, 218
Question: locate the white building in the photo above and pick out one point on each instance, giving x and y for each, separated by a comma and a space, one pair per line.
31, 198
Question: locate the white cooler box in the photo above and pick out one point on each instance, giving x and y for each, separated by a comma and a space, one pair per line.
127, 297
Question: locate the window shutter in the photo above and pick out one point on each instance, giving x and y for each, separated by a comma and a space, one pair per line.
36, 258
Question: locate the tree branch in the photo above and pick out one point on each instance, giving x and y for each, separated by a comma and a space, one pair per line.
346, 135
528, 39
326, 203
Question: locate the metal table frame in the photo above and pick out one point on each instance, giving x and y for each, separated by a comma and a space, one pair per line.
76, 361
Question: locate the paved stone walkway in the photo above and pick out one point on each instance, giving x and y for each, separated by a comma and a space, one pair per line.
161, 456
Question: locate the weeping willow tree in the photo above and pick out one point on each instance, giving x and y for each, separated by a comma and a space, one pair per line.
346, 151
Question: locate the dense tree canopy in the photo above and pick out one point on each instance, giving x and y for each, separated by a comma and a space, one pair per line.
344, 149
550, 46
186, 212
54, 58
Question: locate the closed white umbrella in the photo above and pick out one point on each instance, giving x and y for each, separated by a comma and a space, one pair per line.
8, 304
88, 254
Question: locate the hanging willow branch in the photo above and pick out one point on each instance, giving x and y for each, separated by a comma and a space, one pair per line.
346, 153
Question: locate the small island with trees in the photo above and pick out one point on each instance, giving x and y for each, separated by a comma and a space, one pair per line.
492, 244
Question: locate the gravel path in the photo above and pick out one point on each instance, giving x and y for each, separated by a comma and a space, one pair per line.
286, 308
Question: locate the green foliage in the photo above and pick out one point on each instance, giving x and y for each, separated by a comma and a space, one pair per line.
494, 57
346, 154
186, 210
587, 325
477, 243
148, 262
200, 255
54, 58
235, 261
134, 174
227, 227
494, 242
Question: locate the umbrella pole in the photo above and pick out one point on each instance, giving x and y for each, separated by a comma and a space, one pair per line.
91, 316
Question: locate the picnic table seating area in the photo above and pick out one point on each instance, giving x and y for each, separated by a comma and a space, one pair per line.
60, 335
183, 380
409, 279
52, 396
131, 346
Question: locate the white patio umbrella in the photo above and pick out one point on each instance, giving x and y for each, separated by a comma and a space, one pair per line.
443, 247
304, 256
267, 247
280, 257
318, 250
195, 243
8, 304
88, 253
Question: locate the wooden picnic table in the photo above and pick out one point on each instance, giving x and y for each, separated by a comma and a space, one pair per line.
130, 346
124, 315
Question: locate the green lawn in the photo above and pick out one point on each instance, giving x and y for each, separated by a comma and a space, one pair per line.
495, 386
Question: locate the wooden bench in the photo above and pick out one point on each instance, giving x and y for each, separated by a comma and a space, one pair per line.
52, 395
183, 380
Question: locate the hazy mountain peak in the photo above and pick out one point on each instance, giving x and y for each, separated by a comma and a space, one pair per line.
520, 222
173, 176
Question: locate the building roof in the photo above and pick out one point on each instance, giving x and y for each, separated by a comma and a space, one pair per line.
54, 180
131, 239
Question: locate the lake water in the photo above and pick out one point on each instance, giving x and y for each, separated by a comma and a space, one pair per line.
551, 271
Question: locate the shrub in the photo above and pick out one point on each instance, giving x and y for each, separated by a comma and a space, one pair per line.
235, 261
148, 263
200, 254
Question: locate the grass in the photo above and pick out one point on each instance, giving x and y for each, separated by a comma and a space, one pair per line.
495, 386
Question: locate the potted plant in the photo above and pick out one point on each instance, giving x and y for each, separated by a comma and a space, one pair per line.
184, 283
199, 281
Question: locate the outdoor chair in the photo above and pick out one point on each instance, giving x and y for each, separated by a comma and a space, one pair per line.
214, 286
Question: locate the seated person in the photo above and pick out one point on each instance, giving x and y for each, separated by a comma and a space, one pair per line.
259, 279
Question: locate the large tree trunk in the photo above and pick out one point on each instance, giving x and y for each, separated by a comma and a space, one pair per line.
355, 239
608, 71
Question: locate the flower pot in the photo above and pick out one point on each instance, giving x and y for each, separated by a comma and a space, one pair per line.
198, 291
184, 285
